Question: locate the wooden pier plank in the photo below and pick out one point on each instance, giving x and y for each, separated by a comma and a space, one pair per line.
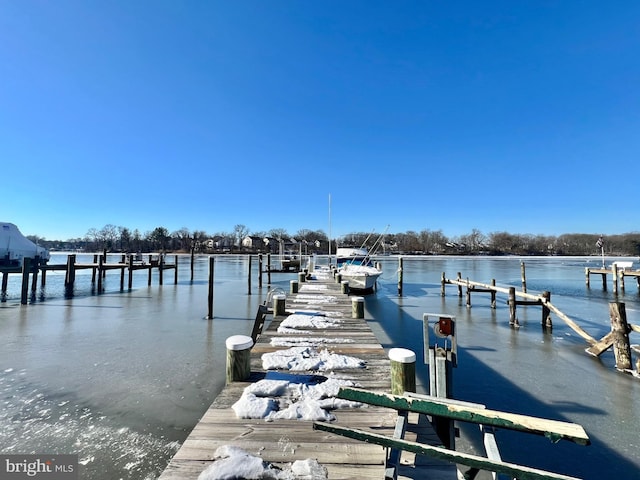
284, 441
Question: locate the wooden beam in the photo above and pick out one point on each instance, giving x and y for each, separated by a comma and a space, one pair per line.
516, 471
601, 345
552, 429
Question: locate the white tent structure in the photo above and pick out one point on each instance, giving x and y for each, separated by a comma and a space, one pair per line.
14, 246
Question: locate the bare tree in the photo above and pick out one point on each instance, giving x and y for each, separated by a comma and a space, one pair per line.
240, 232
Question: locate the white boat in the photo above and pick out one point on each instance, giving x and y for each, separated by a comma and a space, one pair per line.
14, 246
355, 266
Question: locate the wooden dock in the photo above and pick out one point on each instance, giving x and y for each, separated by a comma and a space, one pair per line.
281, 442
99, 267
618, 271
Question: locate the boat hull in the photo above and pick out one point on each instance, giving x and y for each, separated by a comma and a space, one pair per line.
360, 278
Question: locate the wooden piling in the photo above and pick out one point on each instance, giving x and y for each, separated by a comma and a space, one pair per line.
5, 282
161, 269
260, 266
357, 307
459, 285
34, 277
344, 287
614, 273
175, 270
620, 329
70, 276
400, 276
238, 358
123, 261
493, 293
249, 278
93, 270
268, 269
26, 267
443, 282
513, 319
279, 305
192, 265
403, 370
546, 313
211, 281
130, 284
100, 272
293, 286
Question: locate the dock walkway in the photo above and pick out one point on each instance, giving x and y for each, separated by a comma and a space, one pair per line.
282, 442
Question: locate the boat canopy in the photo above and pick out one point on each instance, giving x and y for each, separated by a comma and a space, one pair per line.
14, 246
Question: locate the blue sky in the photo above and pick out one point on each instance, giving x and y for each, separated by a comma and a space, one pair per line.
518, 116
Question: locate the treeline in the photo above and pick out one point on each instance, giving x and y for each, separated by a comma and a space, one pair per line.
426, 242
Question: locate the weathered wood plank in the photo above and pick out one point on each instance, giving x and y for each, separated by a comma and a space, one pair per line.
552, 429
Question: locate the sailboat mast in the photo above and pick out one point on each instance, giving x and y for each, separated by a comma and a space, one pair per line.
329, 229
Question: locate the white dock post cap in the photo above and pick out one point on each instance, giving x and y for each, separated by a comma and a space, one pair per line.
402, 355
239, 342
280, 297
357, 299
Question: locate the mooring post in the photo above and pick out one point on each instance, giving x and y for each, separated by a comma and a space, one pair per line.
403, 370
211, 281
26, 268
123, 263
293, 286
459, 285
260, 271
100, 270
620, 329
34, 278
93, 269
443, 281
587, 277
268, 269
400, 276
338, 277
5, 282
523, 277
193, 254
493, 294
249, 277
238, 358
344, 287
70, 275
621, 275
130, 271
614, 273
150, 270
302, 277
513, 320
279, 308
357, 307
161, 268
175, 270
468, 293
546, 313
